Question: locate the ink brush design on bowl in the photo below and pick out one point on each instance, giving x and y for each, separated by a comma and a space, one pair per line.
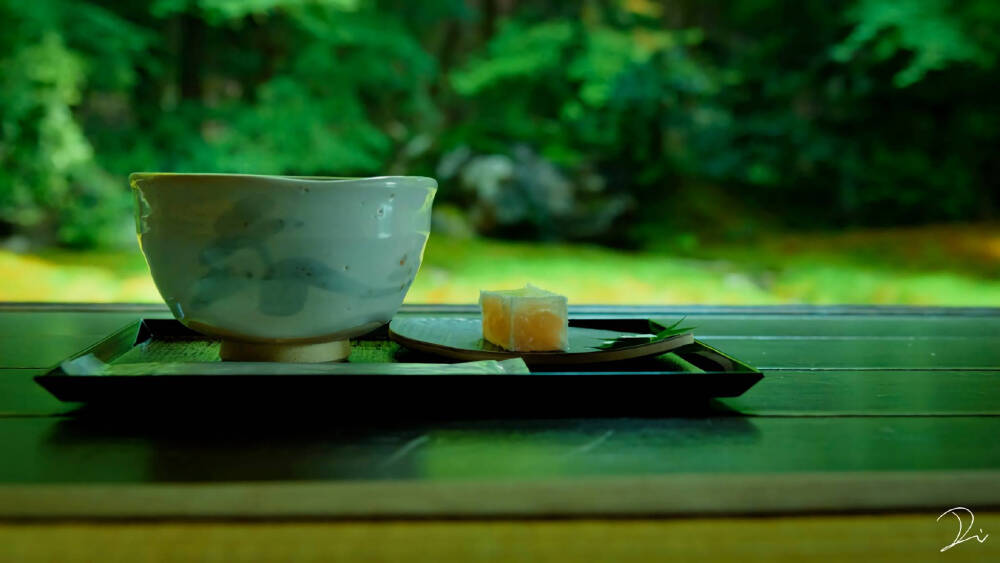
282, 268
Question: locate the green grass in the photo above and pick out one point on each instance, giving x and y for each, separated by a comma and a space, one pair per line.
928, 266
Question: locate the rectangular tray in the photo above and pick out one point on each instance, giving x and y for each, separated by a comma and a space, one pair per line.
635, 387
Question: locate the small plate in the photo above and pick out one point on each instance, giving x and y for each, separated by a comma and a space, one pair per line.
461, 338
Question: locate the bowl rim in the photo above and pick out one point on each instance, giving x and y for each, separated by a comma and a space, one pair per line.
423, 181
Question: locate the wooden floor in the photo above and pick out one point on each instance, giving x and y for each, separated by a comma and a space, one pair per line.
889, 412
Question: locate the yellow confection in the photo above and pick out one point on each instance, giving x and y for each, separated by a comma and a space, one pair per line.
525, 320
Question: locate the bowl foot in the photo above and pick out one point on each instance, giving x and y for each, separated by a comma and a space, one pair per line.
234, 350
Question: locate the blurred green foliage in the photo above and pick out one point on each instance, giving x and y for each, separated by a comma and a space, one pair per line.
779, 112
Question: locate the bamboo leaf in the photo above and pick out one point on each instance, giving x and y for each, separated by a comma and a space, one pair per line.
659, 332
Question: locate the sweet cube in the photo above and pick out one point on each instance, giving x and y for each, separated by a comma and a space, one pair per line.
529, 319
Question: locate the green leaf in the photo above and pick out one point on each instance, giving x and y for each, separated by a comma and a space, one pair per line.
658, 330
668, 331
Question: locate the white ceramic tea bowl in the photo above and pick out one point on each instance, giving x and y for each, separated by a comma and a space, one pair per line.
282, 268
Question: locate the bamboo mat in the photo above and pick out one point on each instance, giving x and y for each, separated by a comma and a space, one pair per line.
906, 538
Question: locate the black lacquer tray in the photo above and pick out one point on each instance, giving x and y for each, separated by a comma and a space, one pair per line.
154, 364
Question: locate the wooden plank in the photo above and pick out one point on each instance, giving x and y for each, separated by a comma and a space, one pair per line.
40, 340
729, 310
844, 325
423, 308
673, 495
78, 307
21, 396
902, 538
283, 447
751, 321
864, 353
871, 393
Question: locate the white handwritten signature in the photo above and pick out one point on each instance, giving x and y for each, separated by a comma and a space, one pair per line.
963, 532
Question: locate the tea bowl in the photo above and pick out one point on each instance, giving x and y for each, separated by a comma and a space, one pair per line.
282, 268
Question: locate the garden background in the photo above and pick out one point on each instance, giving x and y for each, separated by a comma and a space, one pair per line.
620, 151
